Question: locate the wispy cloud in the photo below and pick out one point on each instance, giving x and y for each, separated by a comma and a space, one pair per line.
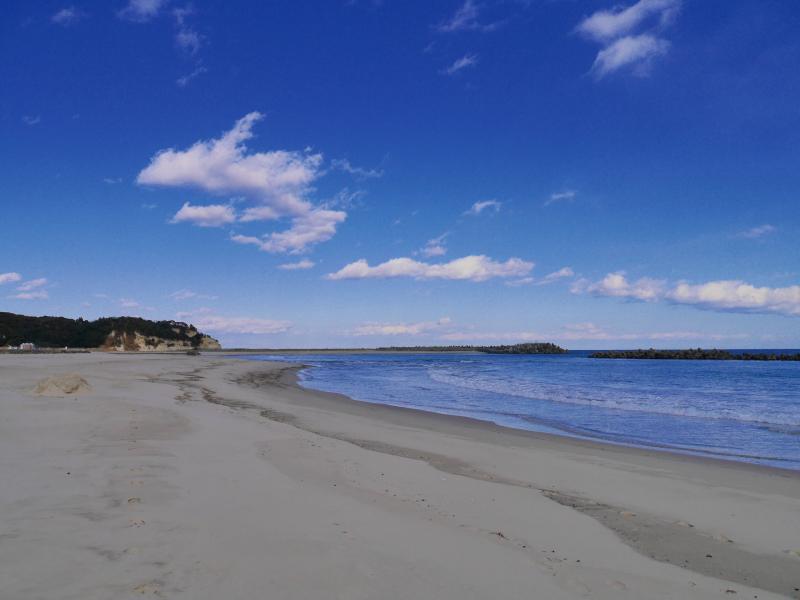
249, 325
141, 11
32, 284
408, 329
359, 172
468, 268
722, 295
629, 35
67, 16
563, 196
757, 232
31, 119
435, 246
185, 80
468, 60
186, 38
297, 266
186, 294
466, 18
562, 273
210, 215
483, 205
9, 277
37, 295
112, 180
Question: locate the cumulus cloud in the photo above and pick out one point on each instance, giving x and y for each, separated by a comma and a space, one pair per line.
478, 207
186, 38
276, 181
629, 35
141, 11
722, 295
32, 284
565, 196
209, 215
468, 60
734, 295
757, 232
423, 327
618, 286
468, 268
297, 266
66, 16
466, 18
9, 277
435, 246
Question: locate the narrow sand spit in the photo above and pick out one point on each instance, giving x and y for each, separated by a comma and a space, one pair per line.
208, 478
68, 384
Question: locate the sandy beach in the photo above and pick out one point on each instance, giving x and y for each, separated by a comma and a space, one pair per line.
208, 477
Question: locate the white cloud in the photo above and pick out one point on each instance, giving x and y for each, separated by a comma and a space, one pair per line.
185, 80
734, 295
277, 181
210, 215
722, 295
636, 50
31, 119
66, 16
185, 294
617, 285
319, 225
31, 284
468, 268
629, 35
9, 277
562, 273
478, 207
36, 295
112, 180
297, 266
400, 328
466, 18
186, 38
220, 324
360, 172
468, 60
129, 303
435, 246
757, 232
565, 196
606, 25
141, 11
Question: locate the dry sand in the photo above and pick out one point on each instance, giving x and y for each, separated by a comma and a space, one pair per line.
213, 478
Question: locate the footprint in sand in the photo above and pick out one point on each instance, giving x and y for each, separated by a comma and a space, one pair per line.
134, 500
136, 523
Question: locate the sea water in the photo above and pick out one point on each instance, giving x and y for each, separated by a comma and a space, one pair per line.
737, 410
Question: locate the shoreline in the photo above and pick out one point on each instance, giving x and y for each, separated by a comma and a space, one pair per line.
553, 437
198, 476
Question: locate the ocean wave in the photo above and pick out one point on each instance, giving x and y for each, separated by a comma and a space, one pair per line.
618, 399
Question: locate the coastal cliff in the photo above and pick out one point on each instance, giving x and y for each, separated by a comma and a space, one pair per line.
128, 334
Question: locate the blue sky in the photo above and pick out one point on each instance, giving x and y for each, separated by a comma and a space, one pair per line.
363, 172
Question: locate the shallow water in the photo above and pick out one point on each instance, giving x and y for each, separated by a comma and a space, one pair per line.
747, 411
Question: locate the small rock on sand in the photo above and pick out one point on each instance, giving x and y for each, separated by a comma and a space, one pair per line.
68, 384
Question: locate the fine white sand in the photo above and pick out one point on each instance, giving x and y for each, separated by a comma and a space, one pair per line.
172, 476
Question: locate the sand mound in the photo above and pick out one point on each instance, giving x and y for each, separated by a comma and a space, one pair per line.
69, 384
